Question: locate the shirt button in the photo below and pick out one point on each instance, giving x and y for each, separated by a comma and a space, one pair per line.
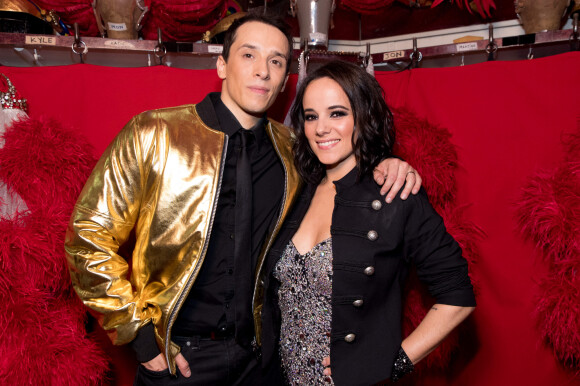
231, 236
349, 338
358, 303
369, 271
223, 328
227, 306
376, 204
372, 235
230, 271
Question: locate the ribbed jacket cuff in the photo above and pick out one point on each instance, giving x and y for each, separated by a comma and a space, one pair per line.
144, 344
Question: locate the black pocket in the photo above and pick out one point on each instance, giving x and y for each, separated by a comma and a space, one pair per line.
145, 374
157, 374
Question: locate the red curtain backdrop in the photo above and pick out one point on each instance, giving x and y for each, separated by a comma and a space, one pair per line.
508, 121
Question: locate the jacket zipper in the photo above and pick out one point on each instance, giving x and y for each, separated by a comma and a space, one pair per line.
188, 285
269, 245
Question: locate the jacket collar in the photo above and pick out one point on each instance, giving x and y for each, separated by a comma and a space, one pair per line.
206, 112
348, 180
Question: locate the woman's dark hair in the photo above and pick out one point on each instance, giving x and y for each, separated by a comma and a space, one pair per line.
260, 17
373, 136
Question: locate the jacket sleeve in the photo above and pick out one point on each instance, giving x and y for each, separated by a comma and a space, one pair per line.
438, 257
103, 217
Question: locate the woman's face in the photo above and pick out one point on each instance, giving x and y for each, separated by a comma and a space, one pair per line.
329, 124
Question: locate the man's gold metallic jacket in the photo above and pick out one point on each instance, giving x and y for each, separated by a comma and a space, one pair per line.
160, 177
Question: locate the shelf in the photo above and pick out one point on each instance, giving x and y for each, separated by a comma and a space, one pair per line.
22, 50
518, 47
394, 53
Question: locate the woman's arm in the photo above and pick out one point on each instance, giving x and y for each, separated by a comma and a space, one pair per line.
437, 324
441, 266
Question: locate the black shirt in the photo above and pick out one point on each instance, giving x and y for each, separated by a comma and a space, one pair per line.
210, 305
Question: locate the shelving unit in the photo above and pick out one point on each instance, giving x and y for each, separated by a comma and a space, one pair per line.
432, 49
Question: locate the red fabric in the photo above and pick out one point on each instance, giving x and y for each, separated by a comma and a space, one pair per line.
483, 7
506, 120
182, 20
367, 7
74, 11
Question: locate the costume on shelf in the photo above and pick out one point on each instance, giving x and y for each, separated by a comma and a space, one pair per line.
182, 21
44, 340
13, 108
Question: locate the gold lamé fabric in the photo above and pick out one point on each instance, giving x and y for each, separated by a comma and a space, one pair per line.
161, 178
19, 6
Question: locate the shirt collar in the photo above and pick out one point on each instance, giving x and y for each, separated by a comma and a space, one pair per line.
230, 125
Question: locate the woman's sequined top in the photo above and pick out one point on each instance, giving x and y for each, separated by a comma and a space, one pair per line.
304, 300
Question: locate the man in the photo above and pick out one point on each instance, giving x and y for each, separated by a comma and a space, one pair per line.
182, 179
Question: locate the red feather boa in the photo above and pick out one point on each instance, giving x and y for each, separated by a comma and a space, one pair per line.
430, 150
548, 213
44, 339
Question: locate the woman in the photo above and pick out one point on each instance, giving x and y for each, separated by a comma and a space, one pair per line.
332, 310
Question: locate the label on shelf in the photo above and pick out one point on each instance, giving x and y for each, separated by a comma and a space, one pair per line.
117, 26
215, 49
38, 39
393, 55
119, 44
462, 47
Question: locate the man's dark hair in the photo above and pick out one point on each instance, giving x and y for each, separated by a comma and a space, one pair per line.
258, 16
373, 135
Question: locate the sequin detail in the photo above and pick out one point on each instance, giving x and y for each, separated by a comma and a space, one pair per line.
304, 299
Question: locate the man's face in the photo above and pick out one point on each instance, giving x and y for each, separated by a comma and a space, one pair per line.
255, 71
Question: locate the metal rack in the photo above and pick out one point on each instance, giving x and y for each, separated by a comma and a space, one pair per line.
525, 46
38, 50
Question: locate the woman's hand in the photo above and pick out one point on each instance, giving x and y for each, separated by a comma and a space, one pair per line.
393, 173
159, 364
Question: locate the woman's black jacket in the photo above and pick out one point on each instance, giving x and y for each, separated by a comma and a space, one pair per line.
373, 245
